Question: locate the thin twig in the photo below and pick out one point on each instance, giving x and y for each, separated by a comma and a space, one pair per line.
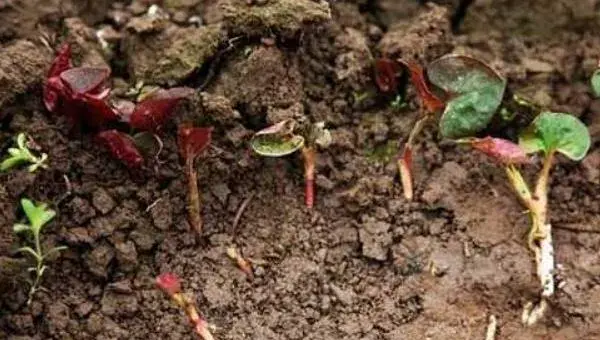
240, 211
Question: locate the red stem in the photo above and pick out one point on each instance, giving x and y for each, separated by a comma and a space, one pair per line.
193, 196
310, 156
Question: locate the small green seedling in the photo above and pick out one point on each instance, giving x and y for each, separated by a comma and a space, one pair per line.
398, 103
38, 217
550, 133
22, 155
281, 140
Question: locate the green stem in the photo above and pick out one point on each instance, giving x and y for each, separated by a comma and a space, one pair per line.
38, 267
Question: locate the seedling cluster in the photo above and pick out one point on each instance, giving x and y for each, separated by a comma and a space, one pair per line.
464, 95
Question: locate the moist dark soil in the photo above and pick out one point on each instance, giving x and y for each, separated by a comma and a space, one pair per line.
358, 265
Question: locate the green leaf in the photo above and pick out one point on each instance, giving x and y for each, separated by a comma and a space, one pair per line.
560, 132
596, 83
38, 216
30, 251
475, 91
277, 140
11, 162
19, 228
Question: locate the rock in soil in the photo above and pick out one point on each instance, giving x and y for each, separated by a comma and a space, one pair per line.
23, 65
273, 16
172, 55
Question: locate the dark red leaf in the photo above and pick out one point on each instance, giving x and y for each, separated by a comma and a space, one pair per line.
386, 75
153, 112
87, 80
122, 147
94, 112
53, 87
169, 283
501, 150
193, 140
430, 102
62, 62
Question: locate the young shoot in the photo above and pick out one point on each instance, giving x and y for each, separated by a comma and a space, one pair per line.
170, 284
22, 155
550, 133
38, 216
471, 91
192, 142
281, 140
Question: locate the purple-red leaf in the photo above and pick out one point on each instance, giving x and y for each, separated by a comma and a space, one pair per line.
430, 102
53, 86
193, 140
122, 147
154, 111
87, 80
62, 62
500, 149
386, 75
169, 283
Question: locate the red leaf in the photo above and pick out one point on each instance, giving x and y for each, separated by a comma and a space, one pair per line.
95, 112
169, 283
386, 75
501, 150
153, 112
53, 86
193, 140
122, 147
87, 80
430, 102
53, 89
62, 62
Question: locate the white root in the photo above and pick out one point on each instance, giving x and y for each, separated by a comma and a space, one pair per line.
490, 333
545, 262
544, 258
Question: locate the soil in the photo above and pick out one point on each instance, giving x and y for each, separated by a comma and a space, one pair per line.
358, 265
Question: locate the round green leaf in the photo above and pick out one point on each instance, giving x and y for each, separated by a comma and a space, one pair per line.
560, 132
277, 140
475, 91
596, 83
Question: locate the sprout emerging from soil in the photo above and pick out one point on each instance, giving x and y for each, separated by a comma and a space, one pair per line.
471, 91
38, 216
192, 142
241, 262
386, 75
122, 147
280, 140
171, 285
595, 82
22, 155
550, 133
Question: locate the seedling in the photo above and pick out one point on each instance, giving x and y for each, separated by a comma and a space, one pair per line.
471, 94
549, 133
171, 285
241, 262
122, 147
280, 140
79, 93
22, 155
38, 216
192, 142
386, 75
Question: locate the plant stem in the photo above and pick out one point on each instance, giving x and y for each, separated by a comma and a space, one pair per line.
200, 325
405, 160
193, 196
38, 267
540, 234
310, 156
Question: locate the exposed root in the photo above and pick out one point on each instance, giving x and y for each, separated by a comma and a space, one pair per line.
490, 333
